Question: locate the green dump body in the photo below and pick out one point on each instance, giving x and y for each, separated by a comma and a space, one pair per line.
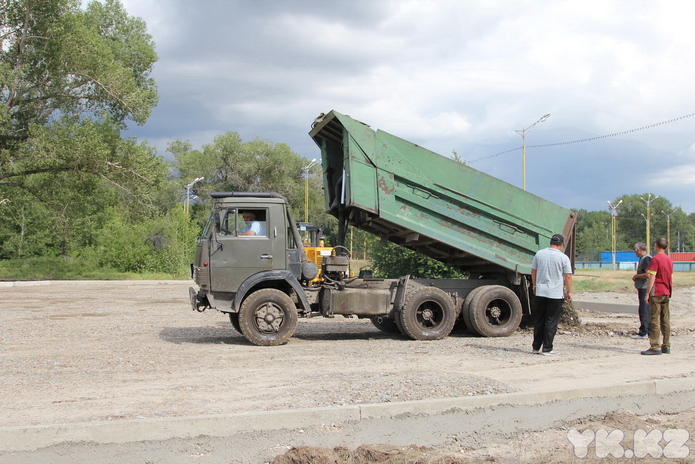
432, 204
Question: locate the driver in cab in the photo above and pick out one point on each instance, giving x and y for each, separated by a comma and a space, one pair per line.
252, 226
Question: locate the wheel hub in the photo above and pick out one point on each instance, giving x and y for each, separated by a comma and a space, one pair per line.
496, 313
269, 318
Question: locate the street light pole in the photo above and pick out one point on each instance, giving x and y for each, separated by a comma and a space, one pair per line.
668, 231
188, 193
306, 188
522, 132
614, 213
648, 201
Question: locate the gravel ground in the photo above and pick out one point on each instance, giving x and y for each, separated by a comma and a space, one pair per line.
93, 351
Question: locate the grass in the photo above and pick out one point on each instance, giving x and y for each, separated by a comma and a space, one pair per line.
62, 268
604, 280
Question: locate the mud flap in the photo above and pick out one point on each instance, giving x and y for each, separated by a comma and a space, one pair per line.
196, 305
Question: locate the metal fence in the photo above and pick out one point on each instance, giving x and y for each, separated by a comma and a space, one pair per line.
679, 266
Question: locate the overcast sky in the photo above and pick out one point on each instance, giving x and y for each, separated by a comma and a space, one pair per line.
448, 75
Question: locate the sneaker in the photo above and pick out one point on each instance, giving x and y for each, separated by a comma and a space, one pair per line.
651, 352
666, 350
549, 353
536, 351
640, 337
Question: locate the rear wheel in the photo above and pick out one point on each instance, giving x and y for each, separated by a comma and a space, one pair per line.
428, 314
495, 311
465, 308
268, 317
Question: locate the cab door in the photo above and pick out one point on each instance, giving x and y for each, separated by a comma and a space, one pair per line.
236, 255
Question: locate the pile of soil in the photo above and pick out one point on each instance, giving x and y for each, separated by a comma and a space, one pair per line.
367, 454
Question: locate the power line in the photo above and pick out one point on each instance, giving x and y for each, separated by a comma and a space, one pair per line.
591, 139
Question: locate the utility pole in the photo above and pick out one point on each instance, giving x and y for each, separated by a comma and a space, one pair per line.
188, 193
306, 188
614, 213
648, 201
668, 231
522, 133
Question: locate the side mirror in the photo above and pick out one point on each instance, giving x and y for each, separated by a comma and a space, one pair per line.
217, 223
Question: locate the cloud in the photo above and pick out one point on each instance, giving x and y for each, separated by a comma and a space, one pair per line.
449, 75
675, 175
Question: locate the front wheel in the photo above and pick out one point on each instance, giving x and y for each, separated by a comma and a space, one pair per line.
268, 317
427, 314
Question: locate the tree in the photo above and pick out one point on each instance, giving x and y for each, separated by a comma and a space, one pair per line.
594, 227
593, 233
229, 164
632, 219
162, 243
69, 81
392, 261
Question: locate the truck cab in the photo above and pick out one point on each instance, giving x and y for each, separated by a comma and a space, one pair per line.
250, 243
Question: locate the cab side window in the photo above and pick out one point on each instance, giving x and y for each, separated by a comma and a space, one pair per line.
251, 223
240, 222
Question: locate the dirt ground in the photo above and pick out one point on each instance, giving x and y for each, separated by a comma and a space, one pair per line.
549, 446
98, 351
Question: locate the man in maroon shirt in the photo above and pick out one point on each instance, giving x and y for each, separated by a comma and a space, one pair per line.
659, 288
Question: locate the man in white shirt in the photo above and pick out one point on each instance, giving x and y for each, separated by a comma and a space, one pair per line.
252, 226
551, 274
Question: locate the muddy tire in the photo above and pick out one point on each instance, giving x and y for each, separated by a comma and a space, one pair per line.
465, 308
268, 317
494, 311
428, 314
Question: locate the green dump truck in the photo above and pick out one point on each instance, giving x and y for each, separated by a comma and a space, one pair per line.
400, 192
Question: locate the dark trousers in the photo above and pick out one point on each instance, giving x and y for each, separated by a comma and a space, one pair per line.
643, 311
548, 312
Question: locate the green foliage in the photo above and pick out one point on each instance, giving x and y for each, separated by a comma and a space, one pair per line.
49, 268
164, 243
121, 241
64, 268
229, 164
62, 181
57, 58
392, 261
593, 232
594, 228
25, 230
70, 80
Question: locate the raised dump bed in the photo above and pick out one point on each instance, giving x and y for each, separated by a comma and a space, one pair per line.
432, 204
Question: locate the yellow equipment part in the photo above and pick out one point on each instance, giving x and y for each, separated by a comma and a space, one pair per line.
315, 254
312, 237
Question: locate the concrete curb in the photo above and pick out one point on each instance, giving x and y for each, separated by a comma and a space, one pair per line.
123, 431
604, 307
